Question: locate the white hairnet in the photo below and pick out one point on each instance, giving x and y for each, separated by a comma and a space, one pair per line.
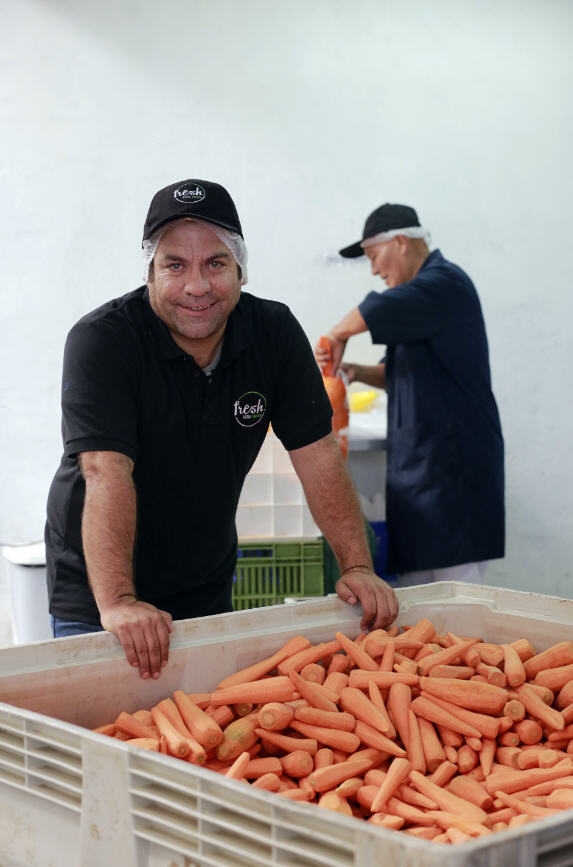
410, 232
231, 240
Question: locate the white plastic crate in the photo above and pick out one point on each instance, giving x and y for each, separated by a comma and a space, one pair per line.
272, 503
72, 798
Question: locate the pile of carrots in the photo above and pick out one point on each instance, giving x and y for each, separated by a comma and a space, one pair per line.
443, 737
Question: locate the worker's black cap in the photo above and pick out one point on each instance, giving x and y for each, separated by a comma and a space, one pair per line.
204, 200
383, 219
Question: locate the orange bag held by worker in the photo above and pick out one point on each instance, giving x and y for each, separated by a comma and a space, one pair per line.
336, 390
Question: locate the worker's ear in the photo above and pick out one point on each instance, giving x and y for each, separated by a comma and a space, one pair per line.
402, 243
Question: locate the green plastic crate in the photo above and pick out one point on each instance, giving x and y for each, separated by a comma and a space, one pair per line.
268, 571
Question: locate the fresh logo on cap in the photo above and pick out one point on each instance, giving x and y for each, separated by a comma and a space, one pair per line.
189, 195
250, 408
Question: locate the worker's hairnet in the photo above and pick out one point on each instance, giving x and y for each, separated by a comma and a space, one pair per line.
231, 240
410, 232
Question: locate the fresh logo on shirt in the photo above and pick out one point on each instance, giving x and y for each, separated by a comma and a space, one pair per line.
189, 195
249, 408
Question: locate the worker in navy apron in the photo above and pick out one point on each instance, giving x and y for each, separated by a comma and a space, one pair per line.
445, 476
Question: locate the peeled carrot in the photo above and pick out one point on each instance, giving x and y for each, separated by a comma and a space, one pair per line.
203, 728
332, 801
237, 737
268, 782
482, 697
423, 706
131, 726
443, 773
313, 672
415, 751
288, 743
463, 672
512, 781
275, 716
565, 696
488, 726
376, 698
236, 770
333, 720
108, 729
399, 700
471, 791
491, 654
312, 654
338, 663
359, 678
448, 737
492, 673
258, 691
260, 669
398, 772
295, 794
373, 738
523, 648
433, 750
335, 681
360, 658
177, 744
445, 656
447, 800
361, 707
554, 657
528, 731
560, 799
512, 666
145, 743
554, 678
537, 708
422, 631
514, 709
299, 763
323, 758
329, 777
340, 740
223, 715
315, 694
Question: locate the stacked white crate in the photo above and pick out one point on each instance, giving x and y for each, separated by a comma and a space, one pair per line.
272, 502
71, 797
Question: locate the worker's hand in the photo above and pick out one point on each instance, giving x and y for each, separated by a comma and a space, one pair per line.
335, 355
378, 600
350, 371
143, 631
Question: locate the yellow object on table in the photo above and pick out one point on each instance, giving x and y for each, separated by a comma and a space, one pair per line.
361, 401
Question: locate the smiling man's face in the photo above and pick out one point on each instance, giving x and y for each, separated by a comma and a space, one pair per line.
194, 285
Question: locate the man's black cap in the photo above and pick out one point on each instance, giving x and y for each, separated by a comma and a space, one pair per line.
383, 219
204, 200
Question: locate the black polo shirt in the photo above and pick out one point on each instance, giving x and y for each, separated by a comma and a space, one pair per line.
127, 387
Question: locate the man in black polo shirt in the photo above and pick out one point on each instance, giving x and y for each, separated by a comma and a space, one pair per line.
167, 396
445, 474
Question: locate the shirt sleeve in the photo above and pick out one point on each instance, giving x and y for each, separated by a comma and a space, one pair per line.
416, 310
301, 412
98, 392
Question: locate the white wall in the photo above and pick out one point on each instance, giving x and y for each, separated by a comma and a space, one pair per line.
311, 112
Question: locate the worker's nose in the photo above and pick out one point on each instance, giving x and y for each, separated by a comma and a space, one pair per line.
197, 283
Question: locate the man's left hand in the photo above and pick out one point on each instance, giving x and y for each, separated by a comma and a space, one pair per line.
378, 600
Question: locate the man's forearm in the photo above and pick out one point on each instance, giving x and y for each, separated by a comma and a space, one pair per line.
353, 323
333, 501
369, 374
108, 533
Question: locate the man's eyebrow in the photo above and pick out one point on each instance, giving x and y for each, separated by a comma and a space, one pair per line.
173, 257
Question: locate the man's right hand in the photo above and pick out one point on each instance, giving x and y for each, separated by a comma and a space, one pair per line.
143, 631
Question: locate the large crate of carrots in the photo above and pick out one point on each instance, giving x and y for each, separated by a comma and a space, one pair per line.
268, 571
71, 796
